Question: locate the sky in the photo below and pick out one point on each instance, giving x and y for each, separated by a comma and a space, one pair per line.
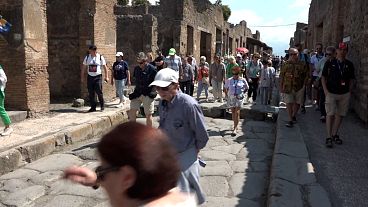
269, 13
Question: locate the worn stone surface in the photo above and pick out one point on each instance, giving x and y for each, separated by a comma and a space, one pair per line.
248, 185
225, 202
54, 162
24, 197
216, 168
217, 155
215, 186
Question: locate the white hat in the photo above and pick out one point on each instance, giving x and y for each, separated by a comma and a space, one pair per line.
238, 55
118, 54
165, 77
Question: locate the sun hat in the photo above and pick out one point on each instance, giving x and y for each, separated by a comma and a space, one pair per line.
165, 77
172, 51
118, 54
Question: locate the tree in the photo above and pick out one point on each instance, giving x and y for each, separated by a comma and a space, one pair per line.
123, 2
140, 2
226, 12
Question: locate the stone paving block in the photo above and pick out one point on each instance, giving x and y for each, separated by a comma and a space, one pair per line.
66, 201
213, 132
14, 185
118, 117
229, 202
259, 127
242, 155
318, 196
63, 187
248, 185
20, 173
54, 162
46, 177
284, 194
216, 141
258, 146
86, 154
216, 155
295, 170
216, 168
232, 149
239, 166
100, 126
291, 148
214, 185
24, 197
39, 148
79, 133
103, 204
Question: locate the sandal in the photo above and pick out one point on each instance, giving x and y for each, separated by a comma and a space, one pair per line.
329, 143
337, 139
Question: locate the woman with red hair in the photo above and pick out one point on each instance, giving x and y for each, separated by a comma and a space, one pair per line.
234, 89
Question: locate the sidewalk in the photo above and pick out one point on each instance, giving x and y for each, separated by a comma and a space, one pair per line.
35, 138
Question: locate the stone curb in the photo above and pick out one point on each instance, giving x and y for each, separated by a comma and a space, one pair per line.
35, 149
292, 179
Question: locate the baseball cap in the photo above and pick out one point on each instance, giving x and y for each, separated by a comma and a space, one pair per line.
343, 45
172, 51
165, 77
238, 55
118, 54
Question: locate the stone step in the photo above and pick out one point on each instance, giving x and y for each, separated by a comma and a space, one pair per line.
16, 116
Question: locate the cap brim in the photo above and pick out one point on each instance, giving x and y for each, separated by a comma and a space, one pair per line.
171, 53
160, 83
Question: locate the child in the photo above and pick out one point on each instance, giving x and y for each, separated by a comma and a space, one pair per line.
265, 82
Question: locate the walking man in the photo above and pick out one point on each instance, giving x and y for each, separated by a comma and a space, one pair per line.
182, 119
144, 75
293, 78
173, 61
217, 78
121, 77
337, 81
94, 63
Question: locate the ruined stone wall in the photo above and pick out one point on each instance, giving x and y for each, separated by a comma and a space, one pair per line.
329, 22
63, 44
139, 36
13, 55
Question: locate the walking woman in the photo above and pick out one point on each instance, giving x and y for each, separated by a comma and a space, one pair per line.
4, 116
235, 87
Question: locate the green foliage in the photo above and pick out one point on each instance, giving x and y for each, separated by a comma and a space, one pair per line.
140, 2
226, 12
123, 2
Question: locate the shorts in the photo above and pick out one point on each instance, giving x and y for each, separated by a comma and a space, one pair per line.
233, 102
148, 104
337, 104
295, 97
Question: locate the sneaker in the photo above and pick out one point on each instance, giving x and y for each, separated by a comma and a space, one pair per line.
119, 105
322, 119
91, 110
329, 143
303, 110
7, 131
337, 139
102, 108
294, 119
289, 124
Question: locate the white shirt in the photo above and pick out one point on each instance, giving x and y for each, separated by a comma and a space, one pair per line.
94, 64
314, 61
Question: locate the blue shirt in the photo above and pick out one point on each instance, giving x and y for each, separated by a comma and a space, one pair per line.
183, 121
173, 63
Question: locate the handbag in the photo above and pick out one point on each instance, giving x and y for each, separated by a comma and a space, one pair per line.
206, 80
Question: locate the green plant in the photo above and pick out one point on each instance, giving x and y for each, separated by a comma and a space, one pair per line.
226, 12
140, 2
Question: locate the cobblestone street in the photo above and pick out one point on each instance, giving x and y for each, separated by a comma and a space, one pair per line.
237, 171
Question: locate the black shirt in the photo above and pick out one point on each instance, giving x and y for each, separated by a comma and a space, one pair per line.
143, 78
338, 76
120, 70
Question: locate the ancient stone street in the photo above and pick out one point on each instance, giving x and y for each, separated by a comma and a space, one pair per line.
237, 171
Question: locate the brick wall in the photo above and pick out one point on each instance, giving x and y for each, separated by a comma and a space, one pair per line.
329, 22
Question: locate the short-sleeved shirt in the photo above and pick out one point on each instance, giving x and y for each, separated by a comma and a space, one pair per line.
314, 61
94, 64
294, 75
120, 69
188, 73
143, 78
236, 87
254, 69
173, 63
338, 76
183, 121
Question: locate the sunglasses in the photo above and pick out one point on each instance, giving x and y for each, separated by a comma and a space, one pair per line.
102, 171
142, 62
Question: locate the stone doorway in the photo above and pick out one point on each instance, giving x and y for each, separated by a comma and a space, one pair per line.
205, 45
63, 50
218, 41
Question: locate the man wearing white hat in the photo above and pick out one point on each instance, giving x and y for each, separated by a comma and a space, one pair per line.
121, 77
182, 119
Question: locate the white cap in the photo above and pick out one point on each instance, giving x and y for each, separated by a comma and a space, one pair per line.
165, 77
118, 54
238, 55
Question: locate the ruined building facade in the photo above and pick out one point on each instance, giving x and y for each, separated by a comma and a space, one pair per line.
42, 54
334, 21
